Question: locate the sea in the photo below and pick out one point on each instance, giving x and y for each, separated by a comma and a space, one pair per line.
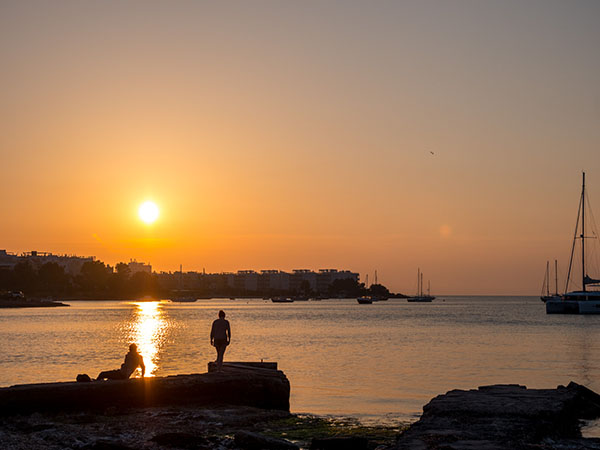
378, 363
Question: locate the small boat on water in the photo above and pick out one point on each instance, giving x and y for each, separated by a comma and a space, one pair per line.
420, 297
180, 299
546, 285
364, 300
282, 300
584, 301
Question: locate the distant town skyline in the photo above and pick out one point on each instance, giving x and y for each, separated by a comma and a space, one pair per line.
449, 136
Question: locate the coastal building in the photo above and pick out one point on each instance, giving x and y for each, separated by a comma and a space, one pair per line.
246, 280
273, 280
326, 277
302, 277
70, 263
135, 267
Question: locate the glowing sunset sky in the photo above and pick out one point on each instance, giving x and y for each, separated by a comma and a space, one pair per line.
280, 135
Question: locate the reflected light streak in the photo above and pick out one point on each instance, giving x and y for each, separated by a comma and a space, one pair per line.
149, 333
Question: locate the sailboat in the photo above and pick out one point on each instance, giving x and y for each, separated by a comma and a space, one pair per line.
181, 296
546, 284
367, 299
420, 297
584, 301
378, 297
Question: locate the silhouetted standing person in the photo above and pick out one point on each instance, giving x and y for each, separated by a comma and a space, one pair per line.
220, 336
133, 360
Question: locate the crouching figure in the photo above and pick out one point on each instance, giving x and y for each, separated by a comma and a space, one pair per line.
133, 360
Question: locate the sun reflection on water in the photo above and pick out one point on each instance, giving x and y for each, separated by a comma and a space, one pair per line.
148, 331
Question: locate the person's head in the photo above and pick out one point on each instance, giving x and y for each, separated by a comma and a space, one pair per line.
133, 348
221, 314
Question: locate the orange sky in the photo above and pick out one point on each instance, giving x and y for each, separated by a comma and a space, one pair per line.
279, 135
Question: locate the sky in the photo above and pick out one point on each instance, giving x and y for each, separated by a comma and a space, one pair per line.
443, 135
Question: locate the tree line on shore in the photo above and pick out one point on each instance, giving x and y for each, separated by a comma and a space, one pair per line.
97, 280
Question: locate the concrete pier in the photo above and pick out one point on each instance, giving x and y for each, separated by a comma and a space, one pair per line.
243, 385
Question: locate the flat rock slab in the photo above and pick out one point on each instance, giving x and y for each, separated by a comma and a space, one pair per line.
504, 416
261, 388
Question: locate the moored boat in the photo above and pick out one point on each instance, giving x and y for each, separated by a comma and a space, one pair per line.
546, 284
584, 300
421, 297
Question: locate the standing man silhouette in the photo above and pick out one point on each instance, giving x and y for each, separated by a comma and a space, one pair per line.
220, 336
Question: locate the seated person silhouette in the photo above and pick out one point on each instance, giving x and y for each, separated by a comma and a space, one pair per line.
133, 360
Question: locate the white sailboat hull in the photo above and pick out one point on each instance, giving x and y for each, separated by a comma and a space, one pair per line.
575, 303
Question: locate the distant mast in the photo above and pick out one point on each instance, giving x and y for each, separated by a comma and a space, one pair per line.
583, 233
548, 278
556, 276
580, 215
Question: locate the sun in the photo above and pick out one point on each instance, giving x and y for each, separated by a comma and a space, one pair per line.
148, 212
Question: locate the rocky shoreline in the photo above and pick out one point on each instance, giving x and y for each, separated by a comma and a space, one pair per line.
505, 417
30, 303
184, 413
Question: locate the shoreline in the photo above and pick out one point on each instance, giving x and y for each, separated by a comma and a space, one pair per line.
247, 406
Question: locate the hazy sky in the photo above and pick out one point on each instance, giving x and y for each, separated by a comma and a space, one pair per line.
300, 135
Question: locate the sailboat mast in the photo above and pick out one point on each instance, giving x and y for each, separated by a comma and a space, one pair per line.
573, 247
548, 278
418, 278
421, 294
556, 276
583, 233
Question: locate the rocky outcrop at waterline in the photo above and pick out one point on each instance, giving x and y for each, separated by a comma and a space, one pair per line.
505, 417
247, 406
29, 303
246, 386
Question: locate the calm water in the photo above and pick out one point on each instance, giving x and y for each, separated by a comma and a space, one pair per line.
378, 362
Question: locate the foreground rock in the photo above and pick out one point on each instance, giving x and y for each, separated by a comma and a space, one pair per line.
248, 440
256, 387
505, 417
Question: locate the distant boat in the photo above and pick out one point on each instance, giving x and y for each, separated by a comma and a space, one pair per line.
420, 297
364, 300
378, 298
584, 301
181, 296
282, 300
546, 284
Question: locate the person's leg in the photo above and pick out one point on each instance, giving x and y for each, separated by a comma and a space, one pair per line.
112, 375
101, 375
220, 346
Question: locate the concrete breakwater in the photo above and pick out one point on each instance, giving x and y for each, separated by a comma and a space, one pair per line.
247, 406
245, 386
